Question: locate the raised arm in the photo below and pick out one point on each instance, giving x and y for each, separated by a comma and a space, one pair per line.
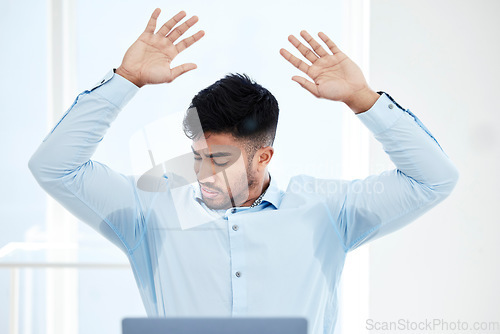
96, 194
367, 209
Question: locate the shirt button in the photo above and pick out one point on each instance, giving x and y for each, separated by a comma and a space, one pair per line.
391, 106
237, 274
233, 210
235, 227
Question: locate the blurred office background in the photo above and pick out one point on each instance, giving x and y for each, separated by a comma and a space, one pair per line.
437, 58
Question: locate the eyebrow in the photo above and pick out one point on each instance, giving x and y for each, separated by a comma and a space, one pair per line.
214, 155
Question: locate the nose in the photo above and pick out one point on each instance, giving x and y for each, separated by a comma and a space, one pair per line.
205, 171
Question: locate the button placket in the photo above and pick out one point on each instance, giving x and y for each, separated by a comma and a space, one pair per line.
238, 268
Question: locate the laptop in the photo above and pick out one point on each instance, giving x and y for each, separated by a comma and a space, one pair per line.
187, 325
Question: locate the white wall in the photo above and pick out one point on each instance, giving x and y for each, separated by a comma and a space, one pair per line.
440, 60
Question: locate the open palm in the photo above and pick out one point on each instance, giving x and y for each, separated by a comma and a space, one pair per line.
335, 76
148, 60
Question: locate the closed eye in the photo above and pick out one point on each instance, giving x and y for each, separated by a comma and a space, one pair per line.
220, 164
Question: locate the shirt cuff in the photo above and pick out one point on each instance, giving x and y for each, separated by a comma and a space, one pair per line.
116, 89
382, 115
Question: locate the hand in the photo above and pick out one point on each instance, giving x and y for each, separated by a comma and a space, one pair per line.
147, 61
335, 76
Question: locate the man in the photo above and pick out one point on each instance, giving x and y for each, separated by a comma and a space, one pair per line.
259, 251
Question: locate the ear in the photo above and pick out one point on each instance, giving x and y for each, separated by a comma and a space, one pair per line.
263, 156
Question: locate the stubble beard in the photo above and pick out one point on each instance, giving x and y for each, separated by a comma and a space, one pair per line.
242, 196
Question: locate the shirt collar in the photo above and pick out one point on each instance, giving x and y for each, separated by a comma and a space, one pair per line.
273, 193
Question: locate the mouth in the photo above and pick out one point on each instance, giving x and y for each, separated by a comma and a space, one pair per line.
209, 193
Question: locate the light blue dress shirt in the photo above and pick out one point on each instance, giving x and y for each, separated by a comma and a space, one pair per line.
283, 257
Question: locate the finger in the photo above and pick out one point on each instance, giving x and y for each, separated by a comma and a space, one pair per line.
306, 52
152, 21
294, 61
181, 69
308, 85
312, 42
188, 41
332, 46
165, 29
177, 32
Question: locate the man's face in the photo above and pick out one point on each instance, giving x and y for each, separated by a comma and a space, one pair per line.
225, 176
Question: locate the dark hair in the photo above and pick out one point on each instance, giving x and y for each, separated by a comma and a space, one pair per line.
236, 105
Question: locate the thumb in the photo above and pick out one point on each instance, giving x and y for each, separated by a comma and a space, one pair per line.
181, 69
309, 86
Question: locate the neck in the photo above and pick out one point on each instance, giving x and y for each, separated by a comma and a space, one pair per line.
266, 181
